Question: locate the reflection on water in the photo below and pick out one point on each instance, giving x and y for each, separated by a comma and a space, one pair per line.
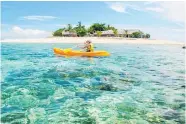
137, 83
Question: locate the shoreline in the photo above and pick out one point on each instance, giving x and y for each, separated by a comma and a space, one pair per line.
109, 40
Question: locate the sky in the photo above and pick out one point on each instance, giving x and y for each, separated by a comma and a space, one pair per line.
162, 20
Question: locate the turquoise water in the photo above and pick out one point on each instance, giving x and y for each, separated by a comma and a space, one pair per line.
137, 84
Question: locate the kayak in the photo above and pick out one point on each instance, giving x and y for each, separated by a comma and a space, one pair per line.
70, 52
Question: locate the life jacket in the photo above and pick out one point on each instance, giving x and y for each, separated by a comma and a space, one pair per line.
90, 48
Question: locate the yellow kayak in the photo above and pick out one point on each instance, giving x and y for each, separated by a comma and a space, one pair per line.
70, 52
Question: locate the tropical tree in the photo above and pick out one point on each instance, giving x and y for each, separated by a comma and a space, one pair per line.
126, 33
97, 27
58, 32
110, 28
115, 31
79, 24
69, 28
136, 34
147, 35
99, 33
80, 30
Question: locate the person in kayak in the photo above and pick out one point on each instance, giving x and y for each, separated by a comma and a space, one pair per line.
89, 46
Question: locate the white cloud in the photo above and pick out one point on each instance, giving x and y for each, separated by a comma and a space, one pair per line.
123, 7
117, 6
180, 24
18, 33
174, 11
155, 9
178, 30
171, 10
38, 18
149, 2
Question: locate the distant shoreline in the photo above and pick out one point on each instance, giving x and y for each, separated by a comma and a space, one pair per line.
108, 40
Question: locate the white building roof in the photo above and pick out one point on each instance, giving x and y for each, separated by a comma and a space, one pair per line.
130, 31
106, 32
120, 31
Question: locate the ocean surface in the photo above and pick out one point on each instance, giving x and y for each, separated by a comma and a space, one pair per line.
137, 84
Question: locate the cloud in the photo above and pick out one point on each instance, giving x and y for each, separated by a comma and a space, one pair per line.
17, 32
38, 18
123, 7
155, 9
149, 2
117, 6
174, 11
170, 10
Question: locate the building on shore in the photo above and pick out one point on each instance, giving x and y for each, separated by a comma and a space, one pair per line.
127, 32
69, 34
120, 33
108, 33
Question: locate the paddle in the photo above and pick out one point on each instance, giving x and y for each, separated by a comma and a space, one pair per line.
70, 49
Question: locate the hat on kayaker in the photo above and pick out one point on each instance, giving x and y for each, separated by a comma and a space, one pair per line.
88, 41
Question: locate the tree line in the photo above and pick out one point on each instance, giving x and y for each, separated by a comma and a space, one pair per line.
81, 31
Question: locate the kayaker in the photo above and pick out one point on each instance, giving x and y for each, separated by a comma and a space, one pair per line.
89, 46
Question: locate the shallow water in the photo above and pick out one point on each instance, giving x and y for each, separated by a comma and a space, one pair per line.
137, 84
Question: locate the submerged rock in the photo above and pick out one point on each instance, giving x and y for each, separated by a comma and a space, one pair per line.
171, 114
183, 86
107, 87
10, 117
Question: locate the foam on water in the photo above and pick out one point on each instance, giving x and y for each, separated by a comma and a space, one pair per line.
136, 84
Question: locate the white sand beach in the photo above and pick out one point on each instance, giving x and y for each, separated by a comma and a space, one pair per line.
109, 40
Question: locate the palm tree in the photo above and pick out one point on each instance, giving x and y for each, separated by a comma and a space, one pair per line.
108, 27
147, 36
79, 24
69, 28
115, 32
126, 33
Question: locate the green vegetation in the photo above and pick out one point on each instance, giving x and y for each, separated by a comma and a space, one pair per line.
99, 33
58, 32
97, 29
69, 28
80, 30
115, 31
126, 33
136, 35
110, 28
147, 35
